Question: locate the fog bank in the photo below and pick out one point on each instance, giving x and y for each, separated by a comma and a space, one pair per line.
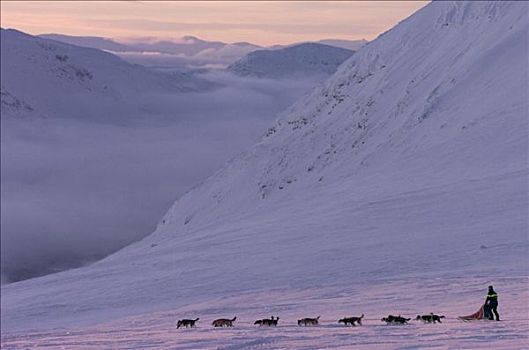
76, 189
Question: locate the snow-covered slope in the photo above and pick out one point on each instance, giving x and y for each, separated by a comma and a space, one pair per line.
296, 61
52, 78
406, 170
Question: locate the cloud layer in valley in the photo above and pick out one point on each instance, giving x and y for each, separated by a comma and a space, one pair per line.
75, 190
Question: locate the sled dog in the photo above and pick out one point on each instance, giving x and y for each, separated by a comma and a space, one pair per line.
223, 322
267, 322
395, 319
186, 323
351, 320
431, 318
308, 321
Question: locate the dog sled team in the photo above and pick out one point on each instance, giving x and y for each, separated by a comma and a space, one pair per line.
488, 311
347, 321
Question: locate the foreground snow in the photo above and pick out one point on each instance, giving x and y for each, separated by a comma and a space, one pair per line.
408, 297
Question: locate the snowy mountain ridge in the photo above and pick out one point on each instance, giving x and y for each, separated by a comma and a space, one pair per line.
185, 51
59, 72
89, 41
407, 164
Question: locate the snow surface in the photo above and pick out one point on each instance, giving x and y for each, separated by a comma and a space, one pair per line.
398, 186
300, 60
156, 330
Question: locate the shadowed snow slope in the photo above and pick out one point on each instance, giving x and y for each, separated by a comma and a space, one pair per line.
409, 162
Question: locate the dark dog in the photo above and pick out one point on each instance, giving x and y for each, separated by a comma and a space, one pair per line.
186, 323
272, 322
308, 321
267, 322
224, 322
431, 318
395, 319
351, 320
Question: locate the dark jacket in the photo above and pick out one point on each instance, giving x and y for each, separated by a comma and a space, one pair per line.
492, 299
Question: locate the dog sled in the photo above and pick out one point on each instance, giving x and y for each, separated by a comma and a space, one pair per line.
484, 313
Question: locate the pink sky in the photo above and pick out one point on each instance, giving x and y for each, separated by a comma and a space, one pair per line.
263, 23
